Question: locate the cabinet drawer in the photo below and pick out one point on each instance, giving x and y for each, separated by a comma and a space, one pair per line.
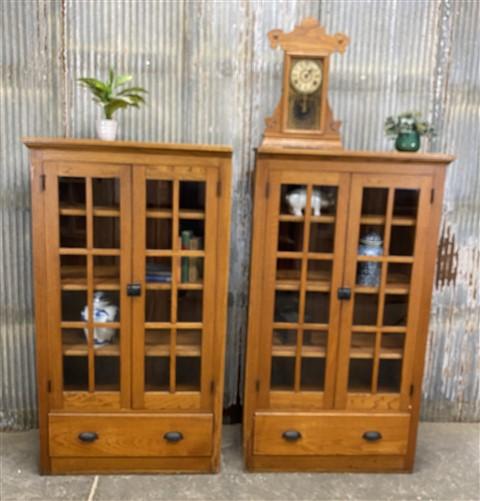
130, 435
321, 434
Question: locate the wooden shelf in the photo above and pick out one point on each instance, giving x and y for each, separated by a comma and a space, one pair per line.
294, 285
188, 344
313, 276
386, 259
158, 286
168, 214
74, 344
396, 221
386, 329
81, 350
367, 352
390, 288
171, 252
80, 284
391, 353
289, 280
308, 351
72, 324
301, 219
190, 286
74, 278
180, 286
112, 284
326, 256
81, 251
80, 210
163, 350
361, 352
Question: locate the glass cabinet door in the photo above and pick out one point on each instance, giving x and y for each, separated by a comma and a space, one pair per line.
174, 264
303, 261
383, 268
88, 233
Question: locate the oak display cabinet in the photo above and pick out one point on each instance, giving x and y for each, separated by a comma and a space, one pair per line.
337, 335
145, 228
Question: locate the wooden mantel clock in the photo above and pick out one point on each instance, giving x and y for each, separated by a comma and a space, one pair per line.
303, 117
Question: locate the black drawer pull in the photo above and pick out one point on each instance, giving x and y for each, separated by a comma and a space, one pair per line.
372, 436
291, 435
134, 290
173, 436
87, 436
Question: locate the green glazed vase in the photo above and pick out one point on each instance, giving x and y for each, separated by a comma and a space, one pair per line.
408, 141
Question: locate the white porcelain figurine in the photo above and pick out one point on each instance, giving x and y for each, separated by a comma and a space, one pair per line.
297, 200
103, 311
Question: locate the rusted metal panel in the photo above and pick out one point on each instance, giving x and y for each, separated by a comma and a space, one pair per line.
213, 78
30, 86
452, 378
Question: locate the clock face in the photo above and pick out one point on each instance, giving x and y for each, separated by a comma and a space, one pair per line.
306, 76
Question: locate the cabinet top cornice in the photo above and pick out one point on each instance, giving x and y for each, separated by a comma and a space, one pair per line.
119, 146
370, 156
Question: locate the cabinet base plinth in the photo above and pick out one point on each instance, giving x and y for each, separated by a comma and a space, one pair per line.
359, 464
81, 466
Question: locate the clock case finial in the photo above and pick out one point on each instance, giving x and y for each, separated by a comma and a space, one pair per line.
310, 40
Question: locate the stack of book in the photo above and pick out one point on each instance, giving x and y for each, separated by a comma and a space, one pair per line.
158, 272
190, 266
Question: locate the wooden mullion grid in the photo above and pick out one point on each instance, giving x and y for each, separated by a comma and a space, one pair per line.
89, 225
303, 288
381, 290
175, 277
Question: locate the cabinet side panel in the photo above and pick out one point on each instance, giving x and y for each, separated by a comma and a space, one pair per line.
41, 331
425, 302
222, 276
254, 302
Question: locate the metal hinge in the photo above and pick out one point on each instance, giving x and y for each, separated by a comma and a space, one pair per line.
49, 387
267, 190
257, 385
212, 387
432, 196
219, 188
411, 390
43, 182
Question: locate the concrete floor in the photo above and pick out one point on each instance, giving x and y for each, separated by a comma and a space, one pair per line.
447, 468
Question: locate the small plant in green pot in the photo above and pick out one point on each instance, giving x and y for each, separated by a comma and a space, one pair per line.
111, 98
406, 129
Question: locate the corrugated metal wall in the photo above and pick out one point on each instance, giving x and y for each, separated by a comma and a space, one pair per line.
213, 79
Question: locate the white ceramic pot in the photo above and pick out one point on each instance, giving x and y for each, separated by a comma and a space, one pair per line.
106, 129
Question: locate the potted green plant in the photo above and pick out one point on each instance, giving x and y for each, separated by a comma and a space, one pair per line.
111, 98
406, 128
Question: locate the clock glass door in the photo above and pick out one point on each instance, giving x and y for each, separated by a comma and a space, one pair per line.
383, 271
303, 267
88, 214
174, 261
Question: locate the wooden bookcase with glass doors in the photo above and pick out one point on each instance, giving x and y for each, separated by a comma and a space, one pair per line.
337, 334
131, 264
